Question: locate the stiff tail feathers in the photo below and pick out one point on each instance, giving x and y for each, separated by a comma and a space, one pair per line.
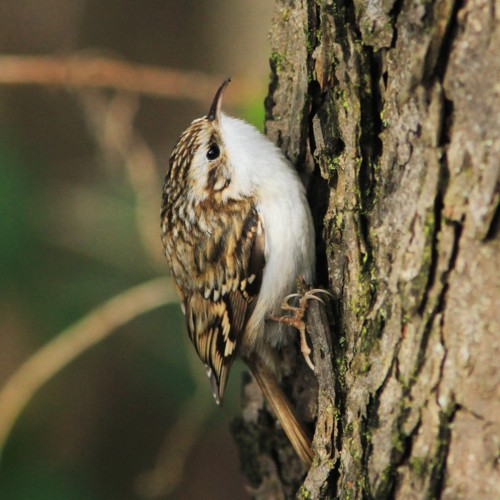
282, 408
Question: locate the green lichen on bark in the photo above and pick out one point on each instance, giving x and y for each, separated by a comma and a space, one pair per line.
373, 102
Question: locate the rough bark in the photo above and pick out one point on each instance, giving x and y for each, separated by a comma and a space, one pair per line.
393, 108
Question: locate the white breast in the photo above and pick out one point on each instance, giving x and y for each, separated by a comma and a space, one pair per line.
260, 169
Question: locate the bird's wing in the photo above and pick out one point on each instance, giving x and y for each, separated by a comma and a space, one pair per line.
217, 310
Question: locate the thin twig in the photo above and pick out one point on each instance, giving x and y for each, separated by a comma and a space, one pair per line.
73, 341
110, 121
99, 72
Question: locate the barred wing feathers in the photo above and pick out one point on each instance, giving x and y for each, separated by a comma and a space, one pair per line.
218, 310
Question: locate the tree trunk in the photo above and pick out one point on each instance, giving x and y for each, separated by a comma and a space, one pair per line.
392, 108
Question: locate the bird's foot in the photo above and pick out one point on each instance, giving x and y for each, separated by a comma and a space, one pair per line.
296, 319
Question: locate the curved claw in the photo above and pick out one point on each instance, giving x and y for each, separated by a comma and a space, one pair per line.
308, 297
310, 294
296, 318
306, 351
309, 363
285, 305
319, 290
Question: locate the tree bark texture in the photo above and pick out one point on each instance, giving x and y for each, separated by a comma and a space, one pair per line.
392, 110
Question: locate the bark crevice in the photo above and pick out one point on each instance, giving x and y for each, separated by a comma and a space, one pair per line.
388, 107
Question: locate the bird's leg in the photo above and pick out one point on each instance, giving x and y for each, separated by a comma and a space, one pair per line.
296, 319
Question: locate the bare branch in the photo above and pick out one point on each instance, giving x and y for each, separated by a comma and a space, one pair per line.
99, 72
75, 340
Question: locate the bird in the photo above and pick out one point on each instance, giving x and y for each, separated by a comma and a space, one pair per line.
237, 232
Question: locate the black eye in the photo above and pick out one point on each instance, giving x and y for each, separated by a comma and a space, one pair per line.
213, 152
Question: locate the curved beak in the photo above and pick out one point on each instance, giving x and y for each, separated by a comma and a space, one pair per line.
214, 112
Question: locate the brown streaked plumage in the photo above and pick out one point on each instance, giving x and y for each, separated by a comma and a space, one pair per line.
216, 253
215, 220
217, 266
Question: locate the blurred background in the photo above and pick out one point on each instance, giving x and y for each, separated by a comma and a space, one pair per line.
80, 191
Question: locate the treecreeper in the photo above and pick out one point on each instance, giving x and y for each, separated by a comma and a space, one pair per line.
237, 232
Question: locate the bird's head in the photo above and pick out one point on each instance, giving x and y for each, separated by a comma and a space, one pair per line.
200, 159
